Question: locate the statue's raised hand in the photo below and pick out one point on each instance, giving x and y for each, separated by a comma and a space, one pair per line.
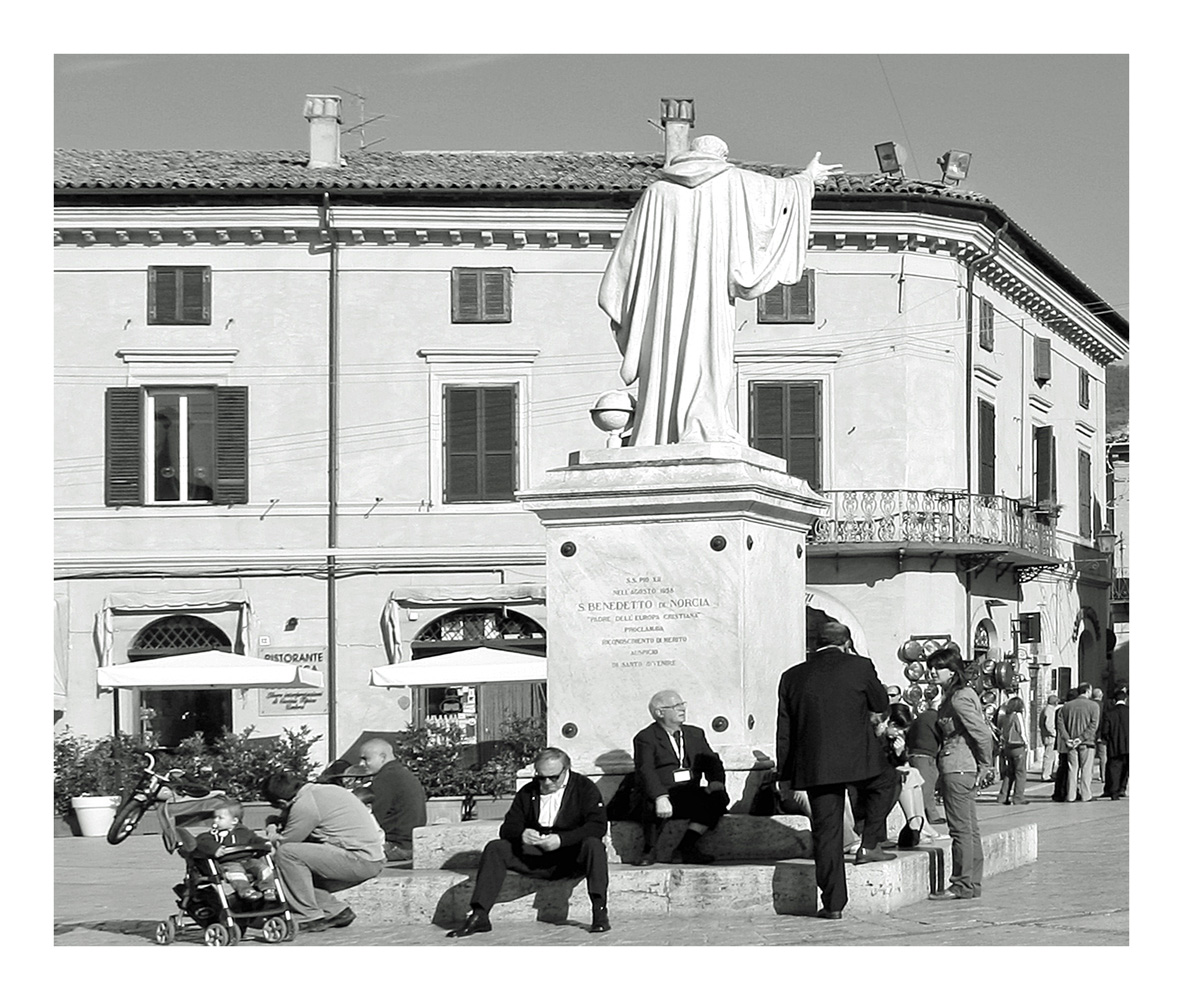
818, 171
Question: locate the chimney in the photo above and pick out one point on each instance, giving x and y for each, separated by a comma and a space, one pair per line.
323, 112
677, 119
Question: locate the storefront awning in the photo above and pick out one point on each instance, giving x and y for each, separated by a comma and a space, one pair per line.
466, 666
210, 669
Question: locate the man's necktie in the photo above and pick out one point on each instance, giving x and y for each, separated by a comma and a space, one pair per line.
681, 755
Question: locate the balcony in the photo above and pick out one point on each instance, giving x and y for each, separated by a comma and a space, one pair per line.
1121, 589
936, 522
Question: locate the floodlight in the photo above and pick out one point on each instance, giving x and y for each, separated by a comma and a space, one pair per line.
891, 157
954, 166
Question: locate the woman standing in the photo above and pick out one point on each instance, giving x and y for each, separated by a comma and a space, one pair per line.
964, 760
1013, 753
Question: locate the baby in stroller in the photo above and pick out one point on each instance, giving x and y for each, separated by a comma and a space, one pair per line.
252, 878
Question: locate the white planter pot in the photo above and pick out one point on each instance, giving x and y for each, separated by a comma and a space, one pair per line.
95, 813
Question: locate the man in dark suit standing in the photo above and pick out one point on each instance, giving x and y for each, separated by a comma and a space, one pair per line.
1115, 731
825, 742
672, 761
554, 829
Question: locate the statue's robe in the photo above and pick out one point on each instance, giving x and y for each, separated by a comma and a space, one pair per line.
702, 236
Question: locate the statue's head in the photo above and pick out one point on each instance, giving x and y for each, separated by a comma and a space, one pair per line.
709, 145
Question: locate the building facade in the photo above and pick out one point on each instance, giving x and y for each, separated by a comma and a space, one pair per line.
295, 404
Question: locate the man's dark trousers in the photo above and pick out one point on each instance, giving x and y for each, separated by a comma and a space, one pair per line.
827, 802
689, 802
1116, 773
588, 858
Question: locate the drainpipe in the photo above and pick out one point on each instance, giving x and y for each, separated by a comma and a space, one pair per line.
331, 559
970, 267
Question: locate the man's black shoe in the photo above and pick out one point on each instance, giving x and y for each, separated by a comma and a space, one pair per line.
829, 914
874, 854
693, 856
342, 919
599, 922
477, 922
314, 926
953, 892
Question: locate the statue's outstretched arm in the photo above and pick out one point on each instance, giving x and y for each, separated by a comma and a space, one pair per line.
818, 171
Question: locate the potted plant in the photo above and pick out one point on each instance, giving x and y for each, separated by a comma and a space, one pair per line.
88, 780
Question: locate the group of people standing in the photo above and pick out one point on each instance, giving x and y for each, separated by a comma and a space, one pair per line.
1079, 730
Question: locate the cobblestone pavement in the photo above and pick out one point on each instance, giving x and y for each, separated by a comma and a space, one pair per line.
1077, 893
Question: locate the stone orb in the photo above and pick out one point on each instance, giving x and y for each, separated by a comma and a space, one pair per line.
613, 411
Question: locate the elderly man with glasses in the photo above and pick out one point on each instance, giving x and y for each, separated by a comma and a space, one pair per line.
554, 829
674, 762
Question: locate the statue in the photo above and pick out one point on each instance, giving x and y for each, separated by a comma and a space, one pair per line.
703, 235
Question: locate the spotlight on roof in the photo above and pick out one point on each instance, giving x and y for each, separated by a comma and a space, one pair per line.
891, 157
954, 166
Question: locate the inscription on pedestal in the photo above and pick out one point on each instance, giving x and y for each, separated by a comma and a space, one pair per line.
643, 621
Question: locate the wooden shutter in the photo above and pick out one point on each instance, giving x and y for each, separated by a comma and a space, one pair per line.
804, 432
773, 306
123, 483
1084, 475
986, 459
466, 295
985, 325
801, 298
1043, 360
162, 295
231, 444
1084, 388
193, 294
495, 289
480, 443
767, 418
1045, 465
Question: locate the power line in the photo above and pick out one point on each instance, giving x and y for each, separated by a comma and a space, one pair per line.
899, 114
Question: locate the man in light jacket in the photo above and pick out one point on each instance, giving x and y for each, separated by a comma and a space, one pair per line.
1076, 734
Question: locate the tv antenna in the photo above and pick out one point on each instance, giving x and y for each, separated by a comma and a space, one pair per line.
363, 121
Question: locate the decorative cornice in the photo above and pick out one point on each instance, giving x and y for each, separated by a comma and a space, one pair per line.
987, 375
476, 356
1040, 404
772, 355
178, 355
1086, 429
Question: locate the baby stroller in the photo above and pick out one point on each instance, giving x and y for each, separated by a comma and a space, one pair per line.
205, 898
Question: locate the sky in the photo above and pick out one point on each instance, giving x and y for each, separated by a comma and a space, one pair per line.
1045, 131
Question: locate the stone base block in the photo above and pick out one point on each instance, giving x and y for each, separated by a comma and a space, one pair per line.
455, 846
786, 886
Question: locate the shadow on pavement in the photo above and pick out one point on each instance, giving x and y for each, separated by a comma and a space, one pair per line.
139, 928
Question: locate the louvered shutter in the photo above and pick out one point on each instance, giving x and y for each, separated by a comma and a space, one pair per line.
804, 432
985, 325
1045, 465
766, 421
496, 292
162, 295
1084, 472
800, 295
1043, 360
499, 405
1084, 388
193, 288
985, 448
123, 482
773, 306
466, 295
461, 447
231, 444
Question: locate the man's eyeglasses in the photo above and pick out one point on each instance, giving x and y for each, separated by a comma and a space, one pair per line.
677, 704
550, 777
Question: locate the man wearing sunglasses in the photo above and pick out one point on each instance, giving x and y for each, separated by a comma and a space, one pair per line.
554, 829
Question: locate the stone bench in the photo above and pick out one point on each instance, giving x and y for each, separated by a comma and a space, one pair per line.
738, 837
441, 896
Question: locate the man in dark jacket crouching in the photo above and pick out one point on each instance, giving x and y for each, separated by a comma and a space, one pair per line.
554, 829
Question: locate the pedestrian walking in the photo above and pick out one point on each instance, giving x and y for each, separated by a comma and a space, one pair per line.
1047, 737
1013, 754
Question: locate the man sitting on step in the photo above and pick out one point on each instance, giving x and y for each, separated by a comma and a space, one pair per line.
674, 761
554, 829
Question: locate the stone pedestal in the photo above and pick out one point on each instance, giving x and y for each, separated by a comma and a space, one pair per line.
679, 566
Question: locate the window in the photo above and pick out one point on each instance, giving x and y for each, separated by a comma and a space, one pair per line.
985, 325
176, 445
481, 295
785, 420
985, 448
1084, 476
788, 303
1045, 466
1084, 388
480, 443
178, 295
1043, 360
1030, 627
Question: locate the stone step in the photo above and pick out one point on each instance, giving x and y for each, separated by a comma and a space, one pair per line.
785, 886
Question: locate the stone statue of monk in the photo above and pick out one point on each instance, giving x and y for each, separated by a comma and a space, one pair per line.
703, 235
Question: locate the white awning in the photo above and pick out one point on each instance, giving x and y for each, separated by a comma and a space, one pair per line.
211, 669
484, 665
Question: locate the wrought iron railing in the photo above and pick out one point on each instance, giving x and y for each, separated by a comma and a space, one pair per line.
935, 517
1121, 589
